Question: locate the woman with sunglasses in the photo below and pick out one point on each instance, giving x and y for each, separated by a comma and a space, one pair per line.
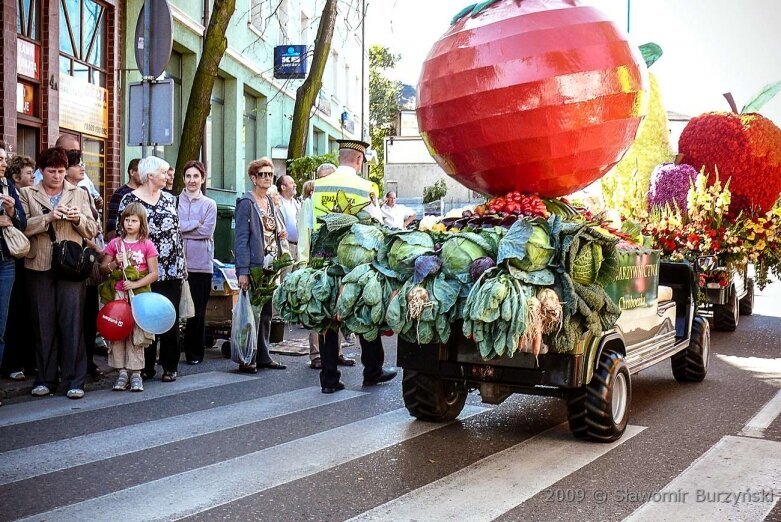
260, 238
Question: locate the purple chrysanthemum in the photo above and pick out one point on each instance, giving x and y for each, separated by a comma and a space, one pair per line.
670, 185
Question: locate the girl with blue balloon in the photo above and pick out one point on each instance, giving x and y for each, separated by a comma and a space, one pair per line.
131, 259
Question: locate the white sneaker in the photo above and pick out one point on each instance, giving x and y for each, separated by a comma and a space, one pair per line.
75, 393
40, 391
136, 383
16, 376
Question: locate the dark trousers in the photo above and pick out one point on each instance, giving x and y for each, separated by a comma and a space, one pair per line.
19, 346
372, 358
90, 327
58, 307
195, 330
262, 355
169, 341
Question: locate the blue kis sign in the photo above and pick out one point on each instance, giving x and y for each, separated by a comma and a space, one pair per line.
290, 62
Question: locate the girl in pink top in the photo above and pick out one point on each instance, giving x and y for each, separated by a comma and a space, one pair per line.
131, 249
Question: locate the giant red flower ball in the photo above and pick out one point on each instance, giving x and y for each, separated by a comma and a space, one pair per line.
744, 149
538, 96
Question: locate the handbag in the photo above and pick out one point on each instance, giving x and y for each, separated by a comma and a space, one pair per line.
71, 261
17, 243
186, 304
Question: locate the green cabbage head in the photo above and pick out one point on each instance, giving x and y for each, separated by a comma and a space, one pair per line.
527, 246
359, 246
405, 248
586, 264
459, 251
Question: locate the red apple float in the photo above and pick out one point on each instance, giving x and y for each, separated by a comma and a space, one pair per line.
534, 96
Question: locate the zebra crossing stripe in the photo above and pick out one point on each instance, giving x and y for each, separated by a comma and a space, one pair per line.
494, 485
764, 418
200, 489
59, 406
739, 478
24, 463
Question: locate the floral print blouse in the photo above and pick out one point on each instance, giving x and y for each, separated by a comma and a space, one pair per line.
163, 232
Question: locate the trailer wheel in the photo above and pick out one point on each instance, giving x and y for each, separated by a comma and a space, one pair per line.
691, 364
727, 316
600, 410
430, 398
746, 305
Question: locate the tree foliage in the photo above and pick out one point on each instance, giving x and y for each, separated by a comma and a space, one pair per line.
304, 168
383, 105
307, 92
199, 104
434, 192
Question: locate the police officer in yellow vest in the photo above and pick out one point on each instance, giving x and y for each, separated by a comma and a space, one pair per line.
340, 192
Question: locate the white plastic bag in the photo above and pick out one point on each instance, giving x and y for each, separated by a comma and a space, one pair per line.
186, 303
244, 333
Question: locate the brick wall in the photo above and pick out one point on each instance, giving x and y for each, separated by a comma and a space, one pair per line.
8, 74
113, 171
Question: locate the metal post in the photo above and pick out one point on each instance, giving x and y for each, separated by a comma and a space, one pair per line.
363, 68
147, 98
628, 14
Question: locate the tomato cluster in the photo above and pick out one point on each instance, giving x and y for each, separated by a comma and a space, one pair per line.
514, 203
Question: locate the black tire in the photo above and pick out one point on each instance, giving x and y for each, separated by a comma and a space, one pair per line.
691, 364
226, 349
430, 398
746, 305
600, 410
726, 317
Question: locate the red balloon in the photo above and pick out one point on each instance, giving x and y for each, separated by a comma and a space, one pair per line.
539, 96
115, 320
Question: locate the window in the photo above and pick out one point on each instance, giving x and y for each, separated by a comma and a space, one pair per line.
319, 142
347, 81
28, 18
83, 40
250, 129
215, 135
335, 74
283, 17
260, 13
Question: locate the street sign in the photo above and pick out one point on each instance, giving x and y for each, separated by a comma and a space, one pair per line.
161, 124
290, 62
161, 39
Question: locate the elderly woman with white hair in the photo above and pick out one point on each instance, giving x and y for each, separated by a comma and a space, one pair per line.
164, 232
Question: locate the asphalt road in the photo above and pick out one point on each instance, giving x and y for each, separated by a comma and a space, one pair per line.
219, 445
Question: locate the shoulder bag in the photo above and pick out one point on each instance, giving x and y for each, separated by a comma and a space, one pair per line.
71, 261
17, 243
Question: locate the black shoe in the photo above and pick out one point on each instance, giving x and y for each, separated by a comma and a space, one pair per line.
345, 361
338, 387
316, 364
147, 375
248, 369
385, 376
95, 372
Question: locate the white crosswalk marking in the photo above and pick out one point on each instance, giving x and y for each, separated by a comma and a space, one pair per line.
203, 488
494, 485
59, 406
737, 479
764, 418
33, 461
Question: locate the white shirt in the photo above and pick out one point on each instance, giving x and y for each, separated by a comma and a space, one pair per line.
290, 210
395, 216
375, 212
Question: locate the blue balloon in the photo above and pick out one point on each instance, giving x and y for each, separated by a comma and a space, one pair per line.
153, 312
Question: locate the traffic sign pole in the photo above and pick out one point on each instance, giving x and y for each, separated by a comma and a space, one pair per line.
147, 96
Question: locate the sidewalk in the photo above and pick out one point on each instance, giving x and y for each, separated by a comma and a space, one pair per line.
296, 343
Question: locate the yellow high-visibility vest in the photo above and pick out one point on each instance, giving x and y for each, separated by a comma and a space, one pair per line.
343, 191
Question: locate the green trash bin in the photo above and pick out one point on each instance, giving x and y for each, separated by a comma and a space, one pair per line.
225, 233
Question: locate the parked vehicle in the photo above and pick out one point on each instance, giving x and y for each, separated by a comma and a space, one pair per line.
659, 320
728, 294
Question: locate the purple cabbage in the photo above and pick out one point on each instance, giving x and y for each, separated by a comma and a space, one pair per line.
670, 185
480, 265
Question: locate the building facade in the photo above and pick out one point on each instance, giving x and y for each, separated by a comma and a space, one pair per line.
59, 77
251, 111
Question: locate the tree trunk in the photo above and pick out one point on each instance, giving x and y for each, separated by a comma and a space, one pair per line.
306, 94
199, 104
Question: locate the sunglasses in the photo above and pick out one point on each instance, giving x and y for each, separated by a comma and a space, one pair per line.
265, 174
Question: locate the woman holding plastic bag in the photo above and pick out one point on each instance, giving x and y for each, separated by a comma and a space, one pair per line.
261, 241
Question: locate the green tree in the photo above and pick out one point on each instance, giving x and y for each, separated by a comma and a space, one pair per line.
383, 105
304, 168
199, 104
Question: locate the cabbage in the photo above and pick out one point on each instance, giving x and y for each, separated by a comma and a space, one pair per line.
459, 251
586, 264
527, 245
359, 246
396, 258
